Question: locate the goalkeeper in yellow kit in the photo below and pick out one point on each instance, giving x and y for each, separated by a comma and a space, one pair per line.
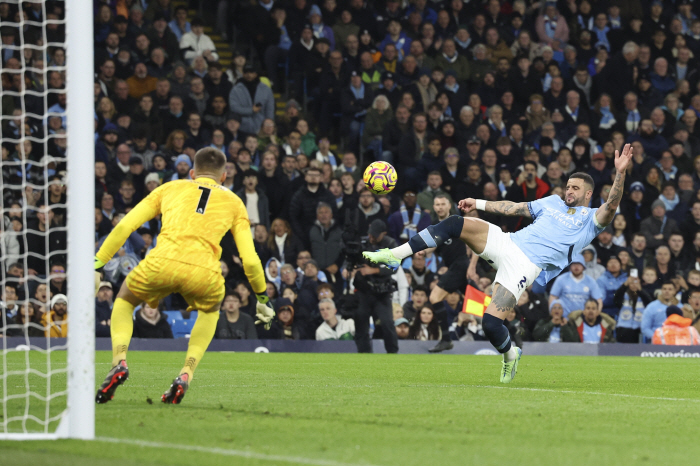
196, 214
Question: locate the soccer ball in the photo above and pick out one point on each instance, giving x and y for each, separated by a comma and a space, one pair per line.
380, 177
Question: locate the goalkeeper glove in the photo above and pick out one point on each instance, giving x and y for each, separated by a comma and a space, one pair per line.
99, 265
264, 314
263, 298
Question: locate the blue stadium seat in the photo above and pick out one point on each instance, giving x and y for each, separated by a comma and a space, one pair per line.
173, 315
181, 327
193, 316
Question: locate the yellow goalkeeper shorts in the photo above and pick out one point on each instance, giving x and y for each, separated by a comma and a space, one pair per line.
154, 279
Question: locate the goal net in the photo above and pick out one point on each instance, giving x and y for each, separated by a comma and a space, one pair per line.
47, 309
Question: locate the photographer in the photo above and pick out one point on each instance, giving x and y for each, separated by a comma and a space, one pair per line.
375, 286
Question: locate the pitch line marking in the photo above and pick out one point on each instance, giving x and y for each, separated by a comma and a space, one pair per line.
228, 452
576, 392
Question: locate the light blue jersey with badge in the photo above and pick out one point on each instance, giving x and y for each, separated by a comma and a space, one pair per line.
558, 233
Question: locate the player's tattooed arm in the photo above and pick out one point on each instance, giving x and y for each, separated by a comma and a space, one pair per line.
503, 299
606, 213
508, 208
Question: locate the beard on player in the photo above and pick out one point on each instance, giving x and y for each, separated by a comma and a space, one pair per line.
579, 190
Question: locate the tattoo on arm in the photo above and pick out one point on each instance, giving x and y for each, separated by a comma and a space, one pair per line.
503, 299
508, 208
614, 198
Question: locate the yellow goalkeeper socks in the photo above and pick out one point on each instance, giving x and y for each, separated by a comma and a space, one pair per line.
122, 328
202, 334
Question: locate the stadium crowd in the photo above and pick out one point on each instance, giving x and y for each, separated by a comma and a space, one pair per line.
483, 98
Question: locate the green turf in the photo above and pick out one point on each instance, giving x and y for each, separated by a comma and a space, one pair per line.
389, 410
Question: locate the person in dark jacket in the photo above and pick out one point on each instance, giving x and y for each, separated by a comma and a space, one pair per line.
234, 324
326, 240
251, 193
355, 100
302, 208
149, 322
549, 328
284, 327
103, 309
282, 242
393, 132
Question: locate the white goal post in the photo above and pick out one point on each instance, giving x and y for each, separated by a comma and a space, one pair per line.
78, 419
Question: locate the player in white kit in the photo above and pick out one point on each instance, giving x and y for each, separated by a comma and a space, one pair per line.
540, 251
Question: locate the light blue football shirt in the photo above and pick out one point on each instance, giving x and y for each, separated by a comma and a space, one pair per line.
557, 234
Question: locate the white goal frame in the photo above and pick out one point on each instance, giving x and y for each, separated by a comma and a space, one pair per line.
78, 419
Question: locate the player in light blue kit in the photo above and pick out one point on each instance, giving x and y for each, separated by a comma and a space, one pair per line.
561, 229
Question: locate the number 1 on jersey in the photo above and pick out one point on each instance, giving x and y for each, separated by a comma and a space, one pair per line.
203, 199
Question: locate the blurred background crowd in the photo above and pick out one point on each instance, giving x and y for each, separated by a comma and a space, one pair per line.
481, 98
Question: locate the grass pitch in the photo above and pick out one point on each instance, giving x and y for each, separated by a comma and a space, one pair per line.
348, 409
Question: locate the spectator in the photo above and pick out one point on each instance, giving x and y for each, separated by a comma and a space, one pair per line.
285, 326
574, 288
255, 200
658, 227
368, 210
195, 43
424, 326
282, 243
179, 25
419, 298
609, 283
551, 27
234, 324
55, 322
150, 322
449, 59
326, 240
141, 83
631, 299
589, 326
355, 100
252, 100
44, 240
409, 219
434, 189
593, 268
655, 313
103, 309
676, 329
402, 328
549, 328
302, 209
333, 327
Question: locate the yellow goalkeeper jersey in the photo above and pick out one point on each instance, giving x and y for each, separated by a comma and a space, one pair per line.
196, 214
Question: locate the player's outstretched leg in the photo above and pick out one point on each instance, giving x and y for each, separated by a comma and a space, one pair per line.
471, 230
202, 334
497, 333
121, 329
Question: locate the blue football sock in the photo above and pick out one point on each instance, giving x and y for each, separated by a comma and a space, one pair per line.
435, 235
496, 332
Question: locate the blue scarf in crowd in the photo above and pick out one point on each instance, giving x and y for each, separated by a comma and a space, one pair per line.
607, 120
409, 226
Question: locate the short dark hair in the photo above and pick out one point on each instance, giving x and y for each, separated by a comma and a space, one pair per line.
530, 162
234, 294
209, 160
591, 300
420, 288
587, 179
668, 282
